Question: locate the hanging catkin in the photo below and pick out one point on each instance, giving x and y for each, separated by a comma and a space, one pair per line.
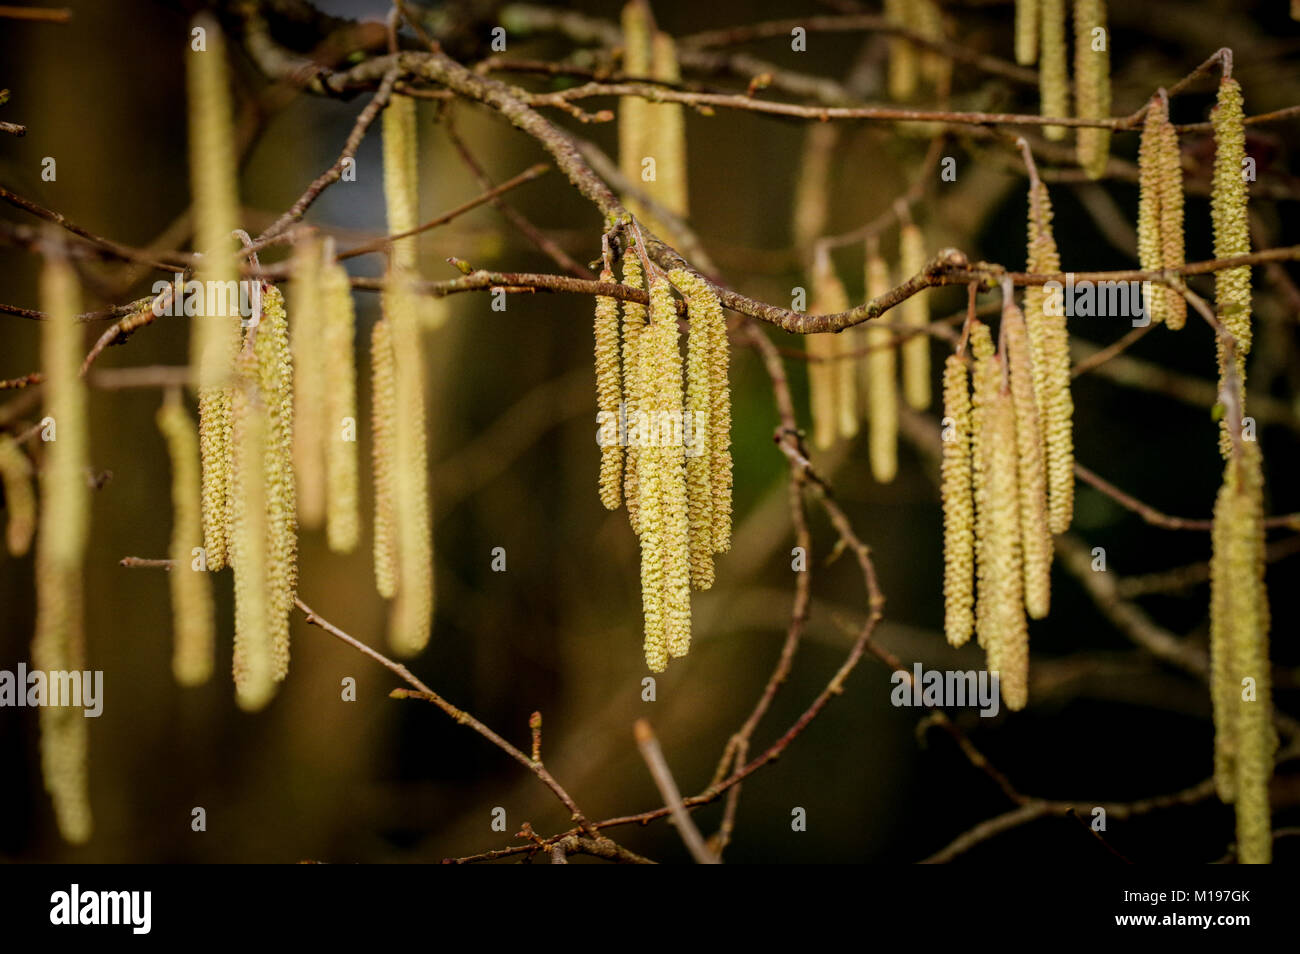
310, 385
412, 616
58, 644
1160, 210
881, 377
193, 630
1053, 65
1027, 31
1092, 83
1229, 194
958, 505
1171, 220
342, 520
636, 134
634, 320
609, 392
215, 337
915, 317
826, 372
1050, 355
984, 386
1007, 642
383, 430
902, 55
401, 182
668, 122
254, 660
19, 496
1036, 540
708, 405
829, 297
275, 383
1245, 740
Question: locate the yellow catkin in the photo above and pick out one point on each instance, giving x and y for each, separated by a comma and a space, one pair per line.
383, 424
915, 313
1007, 643
214, 338
1036, 540
668, 406
1245, 739
634, 319
832, 378
275, 381
310, 385
881, 379
958, 505
58, 644
609, 392
193, 628
668, 121
254, 661
985, 384
1171, 220
652, 522
903, 68
1053, 65
1027, 31
934, 66
636, 135
1092, 83
1228, 199
342, 508
411, 620
1150, 193
401, 182
708, 404
1049, 347
20, 497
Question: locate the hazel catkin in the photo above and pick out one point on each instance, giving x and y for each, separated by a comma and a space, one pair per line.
19, 496
401, 178
634, 321
383, 424
608, 396
1092, 84
915, 317
881, 378
1053, 63
342, 507
958, 505
310, 385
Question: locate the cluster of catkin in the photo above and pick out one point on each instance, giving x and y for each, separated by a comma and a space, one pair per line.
1244, 737
665, 447
856, 371
1040, 37
1007, 474
1160, 209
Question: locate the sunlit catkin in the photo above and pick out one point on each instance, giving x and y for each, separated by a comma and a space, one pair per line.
609, 393
958, 505
1050, 351
1092, 83
19, 496
342, 508
1229, 194
881, 378
193, 628
383, 425
915, 317
1053, 65
1007, 642
401, 182
1036, 540
411, 620
58, 644
310, 386
254, 661
1027, 31
634, 320
1245, 740
275, 382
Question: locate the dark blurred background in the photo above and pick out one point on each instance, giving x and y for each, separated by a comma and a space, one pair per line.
513, 462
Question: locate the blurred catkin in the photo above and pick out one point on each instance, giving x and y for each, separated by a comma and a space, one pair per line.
401, 177
636, 135
1228, 197
310, 385
1092, 84
1036, 540
411, 620
609, 393
19, 496
58, 644
193, 627
1053, 65
1245, 740
902, 54
668, 123
958, 505
915, 317
342, 513
1027, 31
881, 378
383, 424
